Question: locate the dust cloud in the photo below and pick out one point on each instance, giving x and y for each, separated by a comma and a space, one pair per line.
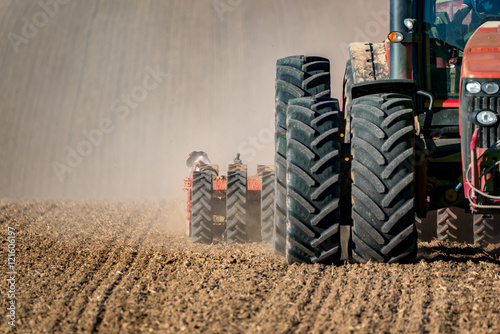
105, 99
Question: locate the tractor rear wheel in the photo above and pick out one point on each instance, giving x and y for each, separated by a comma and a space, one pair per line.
296, 76
383, 179
313, 187
267, 205
426, 227
447, 229
201, 208
484, 229
236, 205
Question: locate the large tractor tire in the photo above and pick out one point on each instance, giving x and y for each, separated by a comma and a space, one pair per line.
296, 76
313, 186
447, 227
383, 179
484, 229
426, 227
267, 205
201, 208
236, 205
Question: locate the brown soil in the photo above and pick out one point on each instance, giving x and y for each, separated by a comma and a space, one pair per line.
126, 267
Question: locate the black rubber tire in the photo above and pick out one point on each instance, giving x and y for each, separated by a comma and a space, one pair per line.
210, 169
296, 76
383, 179
484, 229
201, 208
418, 226
267, 205
313, 186
447, 227
345, 174
426, 227
236, 210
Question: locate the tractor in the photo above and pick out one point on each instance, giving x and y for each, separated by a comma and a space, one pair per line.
236, 208
417, 130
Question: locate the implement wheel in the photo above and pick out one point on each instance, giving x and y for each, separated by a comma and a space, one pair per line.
236, 204
267, 205
201, 208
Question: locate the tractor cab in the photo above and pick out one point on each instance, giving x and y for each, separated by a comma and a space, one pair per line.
451, 50
446, 28
441, 51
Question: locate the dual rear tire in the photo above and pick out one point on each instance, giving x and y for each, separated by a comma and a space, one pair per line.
383, 193
383, 218
312, 174
296, 77
308, 165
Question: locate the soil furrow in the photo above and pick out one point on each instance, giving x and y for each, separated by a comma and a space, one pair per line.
79, 283
96, 313
115, 267
131, 292
77, 289
317, 301
130, 272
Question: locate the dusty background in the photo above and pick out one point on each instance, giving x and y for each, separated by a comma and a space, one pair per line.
60, 77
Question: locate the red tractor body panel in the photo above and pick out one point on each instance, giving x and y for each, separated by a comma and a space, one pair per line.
482, 53
481, 60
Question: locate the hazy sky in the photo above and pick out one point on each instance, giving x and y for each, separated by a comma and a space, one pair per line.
105, 99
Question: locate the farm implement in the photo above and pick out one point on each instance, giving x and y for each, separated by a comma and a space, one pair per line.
235, 208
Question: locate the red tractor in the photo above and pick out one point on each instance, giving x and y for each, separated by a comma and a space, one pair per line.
418, 130
236, 208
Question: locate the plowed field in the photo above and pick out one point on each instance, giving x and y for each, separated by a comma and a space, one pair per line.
126, 267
